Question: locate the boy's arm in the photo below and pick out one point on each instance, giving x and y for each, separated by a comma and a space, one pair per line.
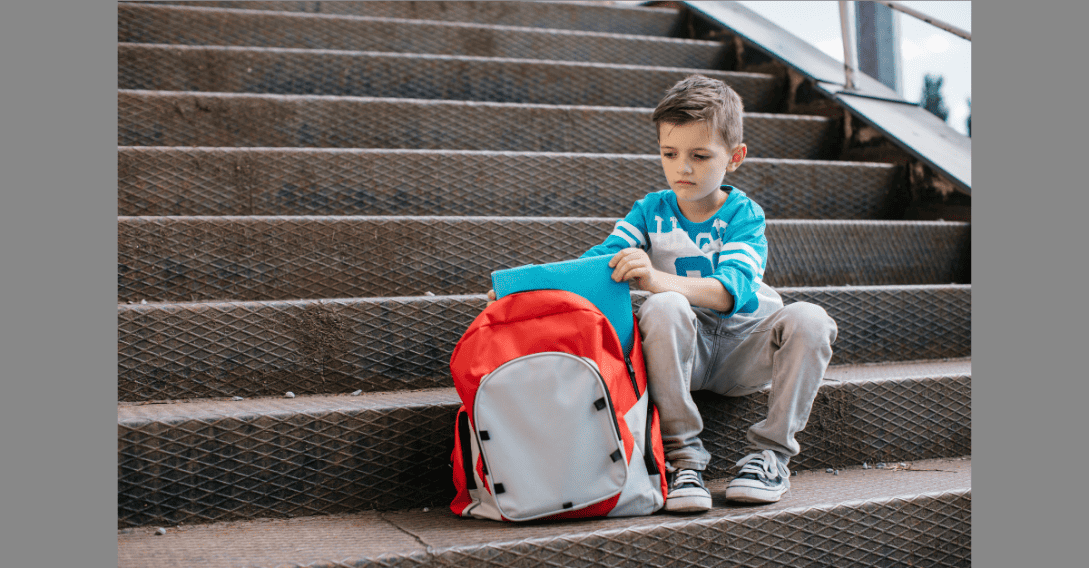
631, 231
730, 289
634, 265
742, 259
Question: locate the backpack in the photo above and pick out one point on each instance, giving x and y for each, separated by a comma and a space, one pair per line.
556, 420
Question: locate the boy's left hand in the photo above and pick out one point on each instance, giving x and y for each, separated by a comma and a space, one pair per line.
633, 265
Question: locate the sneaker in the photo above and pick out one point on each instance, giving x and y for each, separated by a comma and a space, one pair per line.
687, 493
762, 479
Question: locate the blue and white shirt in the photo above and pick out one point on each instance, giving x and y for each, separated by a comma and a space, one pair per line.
729, 247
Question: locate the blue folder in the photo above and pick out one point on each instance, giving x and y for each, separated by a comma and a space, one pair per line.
590, 278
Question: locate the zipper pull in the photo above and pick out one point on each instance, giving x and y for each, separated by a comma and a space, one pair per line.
631, 375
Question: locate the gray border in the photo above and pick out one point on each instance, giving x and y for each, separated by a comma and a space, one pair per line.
1028, 401
59, 236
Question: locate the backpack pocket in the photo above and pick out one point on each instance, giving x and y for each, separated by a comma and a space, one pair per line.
548, 435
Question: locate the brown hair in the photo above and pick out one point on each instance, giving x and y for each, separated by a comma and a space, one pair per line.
698, 98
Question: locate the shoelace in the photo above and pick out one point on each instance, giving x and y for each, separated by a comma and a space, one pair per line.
764, 465
686, 476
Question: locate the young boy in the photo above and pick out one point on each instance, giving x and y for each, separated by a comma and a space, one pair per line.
710, 322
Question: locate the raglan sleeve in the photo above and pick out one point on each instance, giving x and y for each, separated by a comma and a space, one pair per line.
631, 231
742, 258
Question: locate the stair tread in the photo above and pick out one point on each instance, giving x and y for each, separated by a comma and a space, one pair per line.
216, 349
408, 101
373, 73
645, 20
284, 16
490, 153
352, 537
287, 257
183, 25
194, 118
243, 49
204, 409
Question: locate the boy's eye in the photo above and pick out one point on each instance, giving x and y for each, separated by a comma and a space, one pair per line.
699, 157
669, 155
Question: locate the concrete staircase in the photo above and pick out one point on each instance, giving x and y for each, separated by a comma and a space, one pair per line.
311, 198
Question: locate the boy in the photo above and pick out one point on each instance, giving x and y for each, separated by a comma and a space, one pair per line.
710, 322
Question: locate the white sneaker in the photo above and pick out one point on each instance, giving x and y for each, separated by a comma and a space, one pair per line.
687, 493
762, 479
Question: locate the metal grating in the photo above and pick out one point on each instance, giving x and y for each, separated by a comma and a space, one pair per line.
217, 461
147, 118
317, 456
924, 530
142, 23
895, 323
851, 423
282, 258
390, 75
262, 181
178, 351
885, 508
268, 348
568, 16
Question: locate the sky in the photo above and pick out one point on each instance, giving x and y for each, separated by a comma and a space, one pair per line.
923, 48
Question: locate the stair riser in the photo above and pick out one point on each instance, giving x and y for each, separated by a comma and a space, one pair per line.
337, 346
194, 119
277, 464
923, 530
275, 71
276, 258
188, 26
608, 19
220, 181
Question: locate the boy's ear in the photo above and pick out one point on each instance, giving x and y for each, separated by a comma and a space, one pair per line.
737, 155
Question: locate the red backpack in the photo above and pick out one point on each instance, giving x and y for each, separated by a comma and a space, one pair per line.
556, 421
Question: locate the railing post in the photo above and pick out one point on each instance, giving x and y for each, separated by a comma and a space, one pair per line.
848, 54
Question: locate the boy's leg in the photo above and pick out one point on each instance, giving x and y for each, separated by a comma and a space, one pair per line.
670, 332
790, 349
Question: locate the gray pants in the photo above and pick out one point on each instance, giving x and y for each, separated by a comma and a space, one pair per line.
688, 348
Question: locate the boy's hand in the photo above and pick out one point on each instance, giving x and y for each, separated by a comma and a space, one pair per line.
491, 298
633, 265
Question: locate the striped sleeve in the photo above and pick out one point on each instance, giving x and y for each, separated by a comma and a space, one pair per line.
742, 258
629, 232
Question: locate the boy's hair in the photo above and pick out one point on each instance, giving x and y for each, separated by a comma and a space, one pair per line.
698, 98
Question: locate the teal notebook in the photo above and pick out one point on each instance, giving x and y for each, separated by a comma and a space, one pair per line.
590, 278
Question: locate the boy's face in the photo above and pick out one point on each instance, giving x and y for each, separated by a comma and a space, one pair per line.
695, 160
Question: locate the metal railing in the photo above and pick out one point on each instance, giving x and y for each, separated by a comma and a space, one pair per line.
849, 68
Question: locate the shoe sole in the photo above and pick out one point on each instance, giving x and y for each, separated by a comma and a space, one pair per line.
753, 495
688, 504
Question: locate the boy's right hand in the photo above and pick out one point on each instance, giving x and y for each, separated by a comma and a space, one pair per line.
491, 297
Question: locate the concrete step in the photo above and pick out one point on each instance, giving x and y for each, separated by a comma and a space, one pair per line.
638, 20
448, 77
211, 461
145, 23
917, 515
326, 181
157, 118
225, 349
169, 259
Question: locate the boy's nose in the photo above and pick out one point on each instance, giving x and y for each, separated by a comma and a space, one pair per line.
686, 167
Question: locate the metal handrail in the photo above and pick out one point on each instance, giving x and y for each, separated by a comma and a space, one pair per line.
848, 54
928, 19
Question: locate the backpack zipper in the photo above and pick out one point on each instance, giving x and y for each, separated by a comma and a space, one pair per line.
631, 375
648, 454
